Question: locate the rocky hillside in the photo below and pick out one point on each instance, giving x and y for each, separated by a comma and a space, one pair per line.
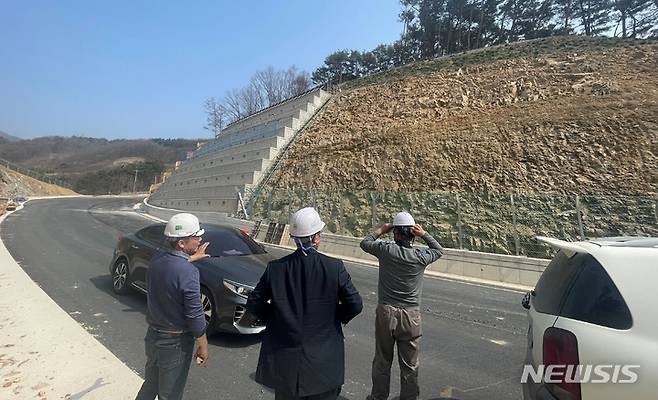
488, 148
564, 115
13, 184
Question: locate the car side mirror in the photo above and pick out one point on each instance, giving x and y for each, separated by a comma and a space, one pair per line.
525, 302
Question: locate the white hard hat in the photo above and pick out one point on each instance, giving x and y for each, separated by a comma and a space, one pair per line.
183, 225
403, 219
305, 222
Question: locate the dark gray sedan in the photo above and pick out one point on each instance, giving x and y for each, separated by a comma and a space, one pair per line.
227, 277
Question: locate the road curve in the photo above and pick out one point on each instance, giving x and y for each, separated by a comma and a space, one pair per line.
472, 348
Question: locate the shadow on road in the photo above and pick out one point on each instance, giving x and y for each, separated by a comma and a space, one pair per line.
136, 302
253, 378
230, 340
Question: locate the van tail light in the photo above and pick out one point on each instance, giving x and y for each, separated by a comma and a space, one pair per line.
245, 231
561, 349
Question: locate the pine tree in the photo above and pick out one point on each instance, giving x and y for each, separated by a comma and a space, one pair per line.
488, 31
594, 15
528, 19
635, 17
565, 10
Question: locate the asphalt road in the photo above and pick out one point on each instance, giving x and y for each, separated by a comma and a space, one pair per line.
472, 348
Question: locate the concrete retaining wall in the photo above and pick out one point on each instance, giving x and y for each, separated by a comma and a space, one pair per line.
492, 267
506, 269
237, 160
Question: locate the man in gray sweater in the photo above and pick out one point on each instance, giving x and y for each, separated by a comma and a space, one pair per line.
397, 319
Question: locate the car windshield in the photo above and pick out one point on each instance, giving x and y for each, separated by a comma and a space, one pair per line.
230, 243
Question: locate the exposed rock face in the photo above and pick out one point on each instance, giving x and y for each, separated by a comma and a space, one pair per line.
545, 126
567, 123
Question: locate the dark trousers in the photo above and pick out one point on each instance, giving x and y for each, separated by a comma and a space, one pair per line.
285, 395
394, 325
168, 360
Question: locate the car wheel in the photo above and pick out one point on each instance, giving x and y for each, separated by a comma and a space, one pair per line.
120, 276
208, 304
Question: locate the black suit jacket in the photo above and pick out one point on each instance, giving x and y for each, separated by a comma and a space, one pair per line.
303, 300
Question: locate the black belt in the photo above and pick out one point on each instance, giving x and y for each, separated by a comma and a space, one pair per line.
167, 331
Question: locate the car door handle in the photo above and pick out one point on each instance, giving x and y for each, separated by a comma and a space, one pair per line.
134, 246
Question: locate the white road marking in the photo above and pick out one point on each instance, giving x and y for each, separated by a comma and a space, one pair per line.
498, 342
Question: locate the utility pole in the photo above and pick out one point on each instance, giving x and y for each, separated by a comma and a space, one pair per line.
135, 182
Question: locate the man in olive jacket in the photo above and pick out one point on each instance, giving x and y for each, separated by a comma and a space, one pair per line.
303, 299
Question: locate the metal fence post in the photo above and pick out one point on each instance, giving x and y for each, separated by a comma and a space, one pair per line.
241, 204
459, 224
373, 211
289, 205
516, 232
269, 204
581, 231
341, 212
314, 197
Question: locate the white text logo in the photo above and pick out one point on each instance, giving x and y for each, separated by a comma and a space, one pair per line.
562, 373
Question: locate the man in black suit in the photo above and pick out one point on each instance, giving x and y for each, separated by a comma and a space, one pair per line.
303, 299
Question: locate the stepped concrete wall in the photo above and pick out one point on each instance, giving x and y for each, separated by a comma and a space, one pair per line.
238, 158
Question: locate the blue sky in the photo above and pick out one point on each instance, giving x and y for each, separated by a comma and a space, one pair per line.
141, 69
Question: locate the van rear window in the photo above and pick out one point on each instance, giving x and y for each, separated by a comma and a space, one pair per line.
554, 283
579, 288
595, 298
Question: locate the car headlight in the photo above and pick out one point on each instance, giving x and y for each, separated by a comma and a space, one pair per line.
238, 288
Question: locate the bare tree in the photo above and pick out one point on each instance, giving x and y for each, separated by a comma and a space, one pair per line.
233, 104
251, 98
215, 116
266, 88
270, 81
280, 85
296, 82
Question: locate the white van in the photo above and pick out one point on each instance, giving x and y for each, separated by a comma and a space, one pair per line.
593, 322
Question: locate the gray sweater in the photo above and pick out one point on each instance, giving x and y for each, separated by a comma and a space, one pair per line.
401, 269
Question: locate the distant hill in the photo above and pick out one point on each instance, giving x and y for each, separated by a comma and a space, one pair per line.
76, 158
8, 137
56, 154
